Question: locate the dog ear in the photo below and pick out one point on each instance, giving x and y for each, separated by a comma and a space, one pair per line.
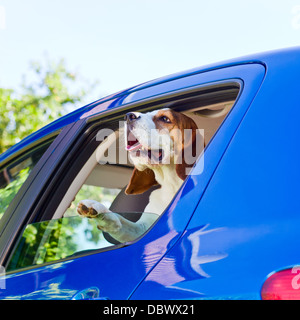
141, 181
191, 147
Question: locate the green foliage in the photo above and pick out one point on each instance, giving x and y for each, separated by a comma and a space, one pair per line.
54, 240
53, 91
8, 193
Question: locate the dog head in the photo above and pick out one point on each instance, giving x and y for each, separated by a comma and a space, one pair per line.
159, 138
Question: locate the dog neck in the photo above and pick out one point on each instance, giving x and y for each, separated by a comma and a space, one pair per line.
167, 177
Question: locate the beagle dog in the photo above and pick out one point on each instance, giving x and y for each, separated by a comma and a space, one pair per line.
163, 145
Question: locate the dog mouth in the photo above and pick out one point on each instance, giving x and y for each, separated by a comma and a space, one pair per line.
134, 146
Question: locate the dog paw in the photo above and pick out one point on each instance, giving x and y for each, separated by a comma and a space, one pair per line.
90, 208
107, 221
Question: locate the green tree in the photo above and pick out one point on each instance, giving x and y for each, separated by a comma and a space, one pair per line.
53, 91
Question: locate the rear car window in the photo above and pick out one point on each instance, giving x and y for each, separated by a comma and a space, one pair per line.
13, 175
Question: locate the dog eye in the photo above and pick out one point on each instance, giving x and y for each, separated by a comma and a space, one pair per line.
165, 119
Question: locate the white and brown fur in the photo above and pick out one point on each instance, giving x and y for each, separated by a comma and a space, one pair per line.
149, 133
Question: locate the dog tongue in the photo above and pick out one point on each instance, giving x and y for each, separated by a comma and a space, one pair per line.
132, 141
155, 155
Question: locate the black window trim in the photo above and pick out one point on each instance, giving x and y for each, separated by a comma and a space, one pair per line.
10, 159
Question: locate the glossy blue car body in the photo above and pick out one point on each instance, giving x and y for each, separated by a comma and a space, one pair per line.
227, 228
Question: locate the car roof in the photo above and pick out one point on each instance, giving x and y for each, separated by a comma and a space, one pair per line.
118, 99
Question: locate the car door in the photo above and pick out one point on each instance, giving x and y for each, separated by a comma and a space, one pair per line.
115, 272
246, 226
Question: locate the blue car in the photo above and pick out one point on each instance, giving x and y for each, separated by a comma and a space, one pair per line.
230, 232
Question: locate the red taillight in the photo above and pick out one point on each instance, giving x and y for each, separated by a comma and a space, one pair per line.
282, 285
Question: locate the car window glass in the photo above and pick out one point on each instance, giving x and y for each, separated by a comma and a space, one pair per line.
53, 240
13, 175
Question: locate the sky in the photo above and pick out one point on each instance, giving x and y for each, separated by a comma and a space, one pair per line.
122, 43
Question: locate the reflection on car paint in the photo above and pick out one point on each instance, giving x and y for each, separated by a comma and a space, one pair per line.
187, 261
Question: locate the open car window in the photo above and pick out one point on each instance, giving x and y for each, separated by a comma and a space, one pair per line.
101, 173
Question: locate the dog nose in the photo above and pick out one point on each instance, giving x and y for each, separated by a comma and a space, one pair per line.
131, 116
